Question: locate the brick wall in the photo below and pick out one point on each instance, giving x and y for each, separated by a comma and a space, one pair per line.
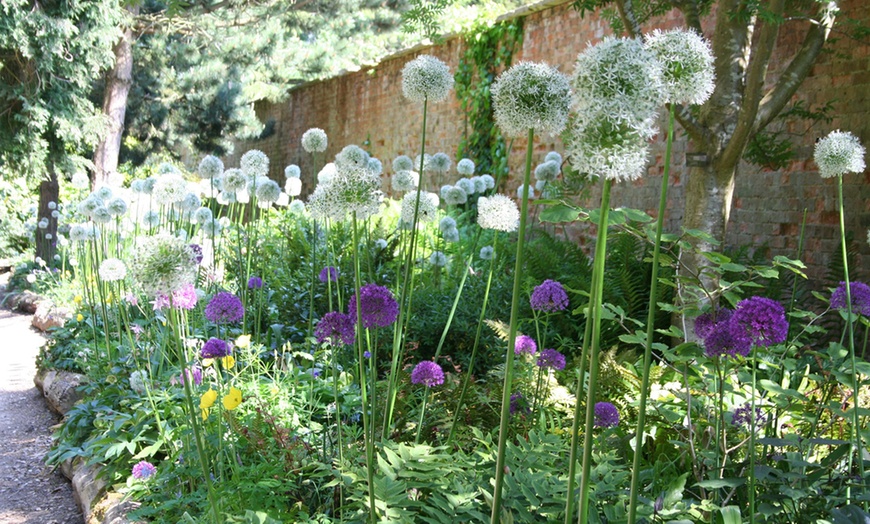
367, 107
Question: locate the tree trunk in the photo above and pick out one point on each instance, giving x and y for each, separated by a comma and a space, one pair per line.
46, 239
118, 82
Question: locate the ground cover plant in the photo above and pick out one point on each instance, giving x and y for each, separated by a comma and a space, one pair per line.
432, 355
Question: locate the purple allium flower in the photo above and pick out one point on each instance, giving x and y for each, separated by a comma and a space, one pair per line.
742, 416
762, 319
329, 273
860, 298
225, 308
550, 358
606, 415
215, 348
723, 338
519, 404
525, 344
336, 328
255, 283
549, 296
706, 322
143, 470
427, 373
196, 249
378, 308
194, 372
184, 297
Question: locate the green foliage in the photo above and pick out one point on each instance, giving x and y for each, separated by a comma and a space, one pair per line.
773, 147
17, 207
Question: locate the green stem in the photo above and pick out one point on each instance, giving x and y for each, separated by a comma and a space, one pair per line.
752, 441
495, 517
422, 412
598, 276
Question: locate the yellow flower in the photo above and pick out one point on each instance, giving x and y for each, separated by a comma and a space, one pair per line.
232, 399
79, 317
243, 341
206, 362
77, 299
204, 414
228, 362
208, 399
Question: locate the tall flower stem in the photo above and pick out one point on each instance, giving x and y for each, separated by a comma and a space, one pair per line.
465, 271
850, 321
752, 424
405, 297
591, 388
361, 360
422, 413
575, 426
650, 324
495, 517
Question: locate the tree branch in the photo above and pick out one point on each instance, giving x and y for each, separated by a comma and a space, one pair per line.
692, 13
629, 17
778, 96
692, 126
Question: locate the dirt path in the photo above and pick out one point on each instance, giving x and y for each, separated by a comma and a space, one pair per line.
30, 492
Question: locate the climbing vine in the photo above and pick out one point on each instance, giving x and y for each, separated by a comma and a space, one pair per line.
489, 50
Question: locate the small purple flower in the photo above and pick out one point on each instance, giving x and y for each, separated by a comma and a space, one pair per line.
705, 322
184, 297
519, 404
378, 308
762, 319
215, 348
550, 358
336, 328
367, 354
427, 373
194, 372
315, 372
525, 344
143, 470
225, 308
196, 249
255, 283
329, 273
860, 298
742, 417
549, 297
606, 415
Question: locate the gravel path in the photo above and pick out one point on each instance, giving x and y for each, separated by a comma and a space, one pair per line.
30, 492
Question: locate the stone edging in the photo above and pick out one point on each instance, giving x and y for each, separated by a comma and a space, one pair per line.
97, 504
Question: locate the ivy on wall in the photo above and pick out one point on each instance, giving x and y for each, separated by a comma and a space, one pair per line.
489, 50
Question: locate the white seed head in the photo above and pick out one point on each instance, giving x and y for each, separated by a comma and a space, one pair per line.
426, 78
531, 95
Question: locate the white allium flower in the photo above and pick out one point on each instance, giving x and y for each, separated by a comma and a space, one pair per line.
353, 188
117, 206
465, 167
601, 147
520, 191
138, 381
426, 78
162, 264
466, 185
438, 259
405, 180
381, 243
225, 221
553, 156
488, 180
254, 184
292, 171
182, 234
325, 175
547, 189
479, 184
531, 95
352, 157
687, 65
80, 180
447, 223
427, 159
101, 215
268, 192
235, 180
444, 190
262, 204
254, 163
104, 193
191, 202
283, 200
77, 233
403, 163
49, 236
43, 224
426, 211
115, 179
148, 185
486, 253
839, 153
210, 167
203, 215
151, 219
243, 197
439, 163
297, 207
619, 78
498, 212
226, 197
375, 167
450, 235
211, 228
112, 270
169, 188
52, 205
455, 196
293, 186
547, 171
314, 140
138, 185
167, 167
55, 214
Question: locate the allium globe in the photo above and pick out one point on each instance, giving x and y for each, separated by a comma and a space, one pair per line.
210, 167
860, 293
687, 65
254, 163
314, 140
427, 209
224, 308
465, 167
550, 358
426, 78
112, 270
606, 415
762, 320
427, 373
839, 153
549, 296
378, 307
525, 344
215, 348
498, 212
531, 95
336, 328
403, 163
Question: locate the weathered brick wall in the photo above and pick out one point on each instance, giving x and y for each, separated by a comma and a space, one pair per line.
367, 107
